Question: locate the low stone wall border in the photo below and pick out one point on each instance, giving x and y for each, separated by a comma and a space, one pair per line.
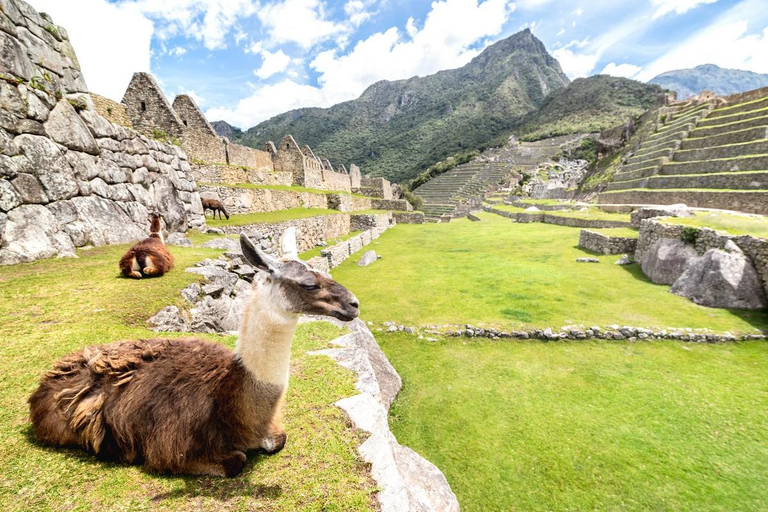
525, 217
606, 244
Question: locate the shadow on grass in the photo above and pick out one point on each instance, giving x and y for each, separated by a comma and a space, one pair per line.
219, 488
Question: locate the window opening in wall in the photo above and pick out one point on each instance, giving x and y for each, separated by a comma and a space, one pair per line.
143, 107
185, 123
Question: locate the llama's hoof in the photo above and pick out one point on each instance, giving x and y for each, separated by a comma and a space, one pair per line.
151, 271
135, 275
234, 464
275, 443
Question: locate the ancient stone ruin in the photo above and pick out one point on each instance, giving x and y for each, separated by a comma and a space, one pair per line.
68, 177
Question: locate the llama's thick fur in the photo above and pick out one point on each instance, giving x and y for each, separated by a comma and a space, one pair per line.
187, 405
215, 206
150, 257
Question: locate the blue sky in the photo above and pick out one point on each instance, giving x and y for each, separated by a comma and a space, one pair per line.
247, 60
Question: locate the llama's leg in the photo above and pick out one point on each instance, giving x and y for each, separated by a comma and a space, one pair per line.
229, 466
150, 269
275, 440
135, 269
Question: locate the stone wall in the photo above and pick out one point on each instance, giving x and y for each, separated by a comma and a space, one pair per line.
214, 173
376, 187
149, 109
756, 249
336, 181
408, 218
606, 244
348, 203
312, 231
573, 222
338, 253
71, 178
397, 205
355, 177
200, 140
112, 111
747, 202
261, 200
248, 157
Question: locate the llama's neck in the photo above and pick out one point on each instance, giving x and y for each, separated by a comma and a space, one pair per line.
264, 343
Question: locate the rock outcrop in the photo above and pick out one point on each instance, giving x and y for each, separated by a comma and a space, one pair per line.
722, 279
68, 177
665, 260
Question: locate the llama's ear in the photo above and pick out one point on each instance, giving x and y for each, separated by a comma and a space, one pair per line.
288, 244
256, 257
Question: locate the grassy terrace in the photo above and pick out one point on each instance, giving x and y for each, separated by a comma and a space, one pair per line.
52, 307
754, 225
503, 274
592, 213
614, 426
288, 188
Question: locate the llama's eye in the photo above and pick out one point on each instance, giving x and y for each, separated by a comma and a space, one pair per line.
310, 287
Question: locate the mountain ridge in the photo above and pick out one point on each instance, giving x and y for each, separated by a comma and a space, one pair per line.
722, 81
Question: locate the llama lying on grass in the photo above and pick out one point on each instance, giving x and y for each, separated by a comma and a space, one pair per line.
186, 405
215, 206
149, 257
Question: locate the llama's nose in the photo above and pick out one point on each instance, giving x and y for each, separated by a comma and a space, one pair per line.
354, 302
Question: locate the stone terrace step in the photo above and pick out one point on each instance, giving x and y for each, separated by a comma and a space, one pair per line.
750, 163
739, 108
662, 138
724, 181
658, 162
734, 137
717, 129
743, 201
650, 155
759, 147
636, 175
733, 118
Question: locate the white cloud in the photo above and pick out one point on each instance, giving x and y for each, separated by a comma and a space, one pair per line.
727, 45
208, 21
677, 6
192, 94
575, 65
178, 51
299, 21
107, 62
622, 70
272, 64
358, 12
578, 12
451, 28
560, 32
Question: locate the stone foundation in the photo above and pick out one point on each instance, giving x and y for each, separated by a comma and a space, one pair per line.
605, 244
409, 218
213, 173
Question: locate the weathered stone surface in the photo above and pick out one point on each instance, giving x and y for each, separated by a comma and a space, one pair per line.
36, 109
26, 235
167, 200
229, 244
473, 218
665, 260
59, 185
13, 59
169, 319
624, 260
104, 223
29, 189
7, 145
43, 154
98, 126
9, 198
178, 239
587, 260
722, 279
368, 258
65, 127
11, 101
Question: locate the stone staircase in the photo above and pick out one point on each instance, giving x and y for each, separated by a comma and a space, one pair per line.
464, 183
701, 155
448, 194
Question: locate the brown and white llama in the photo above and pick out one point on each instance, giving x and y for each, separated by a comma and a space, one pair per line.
215, 206
150, 257
186, 405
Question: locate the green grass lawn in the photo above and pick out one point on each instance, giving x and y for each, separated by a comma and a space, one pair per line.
608, 426
278, 216
507, 275
754, 225
52, 307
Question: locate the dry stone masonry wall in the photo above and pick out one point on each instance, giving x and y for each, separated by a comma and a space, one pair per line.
68, 177
606, 244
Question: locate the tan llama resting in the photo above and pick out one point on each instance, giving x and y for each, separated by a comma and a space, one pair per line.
149, 257
187, 405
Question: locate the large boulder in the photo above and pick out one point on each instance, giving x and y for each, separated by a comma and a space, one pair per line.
65, 127
666, 259
722, 279
30, 232
167, 200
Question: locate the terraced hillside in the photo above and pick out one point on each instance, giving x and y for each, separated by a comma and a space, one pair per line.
467, 183
702, 155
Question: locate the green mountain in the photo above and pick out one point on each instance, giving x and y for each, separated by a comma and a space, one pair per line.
689, 82
588, 105
394, 129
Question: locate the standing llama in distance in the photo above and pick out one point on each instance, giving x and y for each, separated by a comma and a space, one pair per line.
215, 206
149, 257
186, 405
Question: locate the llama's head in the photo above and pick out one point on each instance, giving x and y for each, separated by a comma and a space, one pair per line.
296, 288
155, 227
